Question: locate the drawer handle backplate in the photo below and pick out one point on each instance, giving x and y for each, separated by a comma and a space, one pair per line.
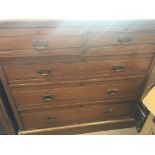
44, 72
118, 68
108, 111
40, 44
51, 118
112, 92
124, 40
48, 98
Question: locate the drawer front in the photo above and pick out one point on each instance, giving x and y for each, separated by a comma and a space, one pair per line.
69, 95
119, 50
119, 39
78, 69
40, 42
41, 31
65, 116
40, 53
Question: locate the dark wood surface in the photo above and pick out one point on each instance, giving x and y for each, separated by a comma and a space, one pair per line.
9, 96
65, 64
8, 125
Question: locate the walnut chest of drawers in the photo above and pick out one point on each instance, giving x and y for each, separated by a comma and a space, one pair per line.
65, 77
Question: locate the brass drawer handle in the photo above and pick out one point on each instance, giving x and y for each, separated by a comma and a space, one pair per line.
51, 118
40, 44
108, 111
124, 40
44, 72
112, 92
118, 68
48, 98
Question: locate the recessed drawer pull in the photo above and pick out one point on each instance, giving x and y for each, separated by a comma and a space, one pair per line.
51, 118
112, 92
118, 68
48, 97
124, 40
108, 111
40, 44
44, 72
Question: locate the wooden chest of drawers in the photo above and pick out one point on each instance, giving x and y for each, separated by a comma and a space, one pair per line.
75, 76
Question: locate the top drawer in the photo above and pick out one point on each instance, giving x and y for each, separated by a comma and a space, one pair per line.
119, 39
40, 42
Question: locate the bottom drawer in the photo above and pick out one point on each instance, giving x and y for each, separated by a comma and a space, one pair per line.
76, 114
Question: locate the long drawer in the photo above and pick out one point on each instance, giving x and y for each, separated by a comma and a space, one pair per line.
78, 114
40, 42
76, 70
48, 96
119, 39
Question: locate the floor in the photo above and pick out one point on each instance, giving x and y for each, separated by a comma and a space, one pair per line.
125, 131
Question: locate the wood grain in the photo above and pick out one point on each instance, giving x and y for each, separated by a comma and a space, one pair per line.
73, 94
74, 115
66, 68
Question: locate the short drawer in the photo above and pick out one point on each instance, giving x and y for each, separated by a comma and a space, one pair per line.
77, 70
40, 42
66, 116
119, 39
40, 53
48, 96
120, 50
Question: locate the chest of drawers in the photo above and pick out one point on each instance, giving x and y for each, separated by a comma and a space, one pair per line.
75, 76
